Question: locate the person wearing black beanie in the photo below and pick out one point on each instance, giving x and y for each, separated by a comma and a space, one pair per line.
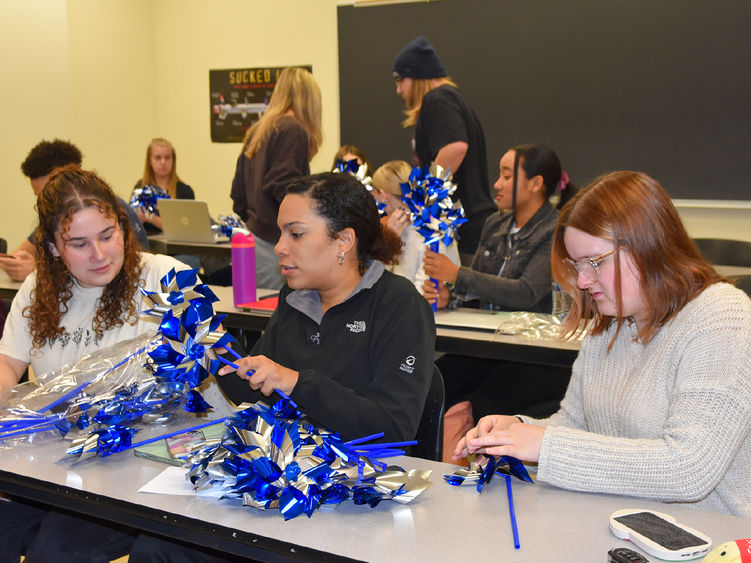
447, 132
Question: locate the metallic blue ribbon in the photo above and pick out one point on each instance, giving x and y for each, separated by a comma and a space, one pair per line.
273, 458
481, 475
228, 225
148, 197
427, 195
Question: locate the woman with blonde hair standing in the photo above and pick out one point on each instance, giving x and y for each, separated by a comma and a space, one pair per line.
277, 149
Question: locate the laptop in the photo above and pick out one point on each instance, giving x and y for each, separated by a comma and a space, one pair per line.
188, 220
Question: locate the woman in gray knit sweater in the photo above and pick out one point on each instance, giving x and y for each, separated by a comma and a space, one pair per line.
659, 404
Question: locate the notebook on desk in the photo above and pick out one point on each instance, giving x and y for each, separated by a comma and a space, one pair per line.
471, 320
187, 220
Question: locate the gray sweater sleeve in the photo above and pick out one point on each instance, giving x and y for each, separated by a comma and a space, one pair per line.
670, 420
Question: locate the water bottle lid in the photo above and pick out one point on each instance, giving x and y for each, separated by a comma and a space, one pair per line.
240, 240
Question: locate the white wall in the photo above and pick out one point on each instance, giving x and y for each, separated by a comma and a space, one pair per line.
35, 100
235, 34
112, 70
716, 219
111, 74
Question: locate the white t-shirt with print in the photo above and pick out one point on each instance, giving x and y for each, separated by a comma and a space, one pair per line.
79, 338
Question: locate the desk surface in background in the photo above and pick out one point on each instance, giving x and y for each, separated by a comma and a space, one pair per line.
468, 342
160, 245
8, 287
443, 524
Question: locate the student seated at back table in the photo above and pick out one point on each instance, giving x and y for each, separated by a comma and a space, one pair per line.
659, 404
387, 191
351, 152
39, 164
160, 170
510, 271
83, 296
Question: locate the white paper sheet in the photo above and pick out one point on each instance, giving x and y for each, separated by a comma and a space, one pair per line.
172, 481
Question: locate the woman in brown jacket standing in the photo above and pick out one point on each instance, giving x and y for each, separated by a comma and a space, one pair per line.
277, 149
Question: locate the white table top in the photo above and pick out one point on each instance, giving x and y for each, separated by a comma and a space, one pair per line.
443, 524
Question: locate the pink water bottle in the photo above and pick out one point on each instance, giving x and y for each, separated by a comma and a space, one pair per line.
243, 268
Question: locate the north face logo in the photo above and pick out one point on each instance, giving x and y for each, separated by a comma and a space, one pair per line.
356, 326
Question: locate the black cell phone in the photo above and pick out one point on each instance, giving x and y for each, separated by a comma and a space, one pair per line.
625, 555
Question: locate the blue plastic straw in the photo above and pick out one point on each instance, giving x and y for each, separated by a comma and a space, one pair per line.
175, 433
365, 439
387, 445
25, 423
234, 365
68, 395
434, 246
235, 354
511, 511
386, 452
50, 426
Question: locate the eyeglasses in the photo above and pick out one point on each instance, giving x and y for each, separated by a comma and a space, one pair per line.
590, 267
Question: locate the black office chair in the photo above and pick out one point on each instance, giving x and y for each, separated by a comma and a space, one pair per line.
430, 432
742, 282
725, 252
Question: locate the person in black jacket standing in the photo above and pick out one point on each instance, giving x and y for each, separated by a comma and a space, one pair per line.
447, 132
350, 342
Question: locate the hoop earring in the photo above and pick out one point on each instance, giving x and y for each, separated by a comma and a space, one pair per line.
341, 258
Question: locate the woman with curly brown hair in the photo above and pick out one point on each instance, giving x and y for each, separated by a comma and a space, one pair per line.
83, 295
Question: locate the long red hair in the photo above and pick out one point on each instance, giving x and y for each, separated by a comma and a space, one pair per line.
636, 213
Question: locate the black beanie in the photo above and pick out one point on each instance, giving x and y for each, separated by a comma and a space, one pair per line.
418, 59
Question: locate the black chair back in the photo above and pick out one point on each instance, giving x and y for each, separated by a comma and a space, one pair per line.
430, 432
725, 252
742, 282
3, 245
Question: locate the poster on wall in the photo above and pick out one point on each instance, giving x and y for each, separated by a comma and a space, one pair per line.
239, 97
